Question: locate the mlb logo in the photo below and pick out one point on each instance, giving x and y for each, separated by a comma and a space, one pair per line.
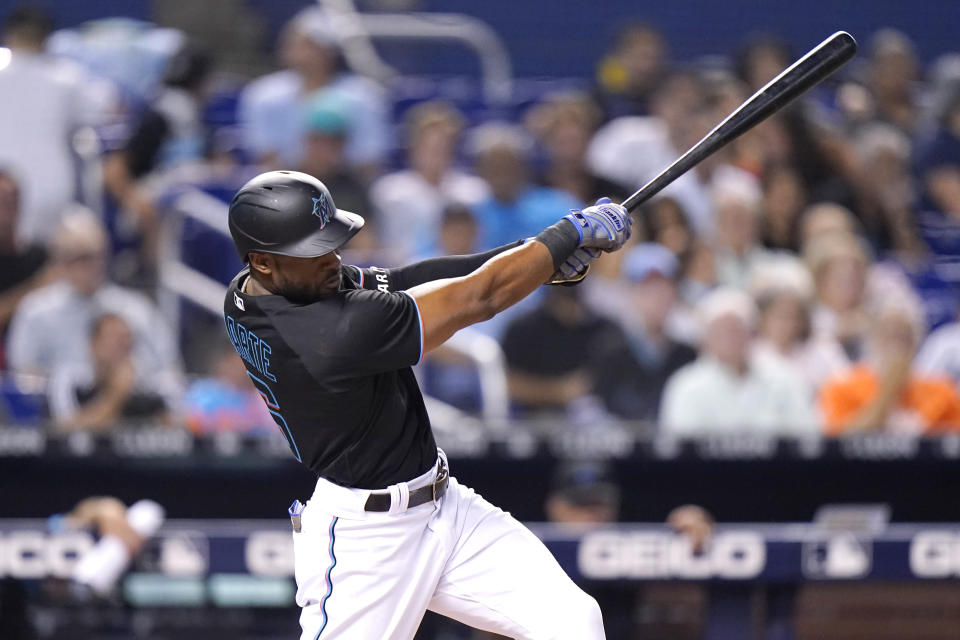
841, 556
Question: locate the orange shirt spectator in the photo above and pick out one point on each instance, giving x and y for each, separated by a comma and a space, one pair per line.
925, 405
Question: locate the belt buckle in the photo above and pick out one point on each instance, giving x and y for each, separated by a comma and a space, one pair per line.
441, 479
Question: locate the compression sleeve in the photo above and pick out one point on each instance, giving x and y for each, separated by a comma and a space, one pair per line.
403, 278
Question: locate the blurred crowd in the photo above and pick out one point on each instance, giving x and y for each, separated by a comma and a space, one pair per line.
804, 280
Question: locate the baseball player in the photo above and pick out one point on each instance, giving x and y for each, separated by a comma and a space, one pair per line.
388, 533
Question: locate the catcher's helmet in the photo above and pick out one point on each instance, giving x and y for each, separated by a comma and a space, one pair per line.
289, 213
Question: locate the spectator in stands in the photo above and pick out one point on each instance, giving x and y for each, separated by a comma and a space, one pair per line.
564, 124
226, 400
122, 534
737, 249
632, 379
458, 231
839, 263
784, 294
797, 136
328, 123
585, 495
938, 165
410, 202
272, 108
762, 59
666, 223
784, 200
823, 220
888, 93
629, 74
554, 352
886, 192
53, 98
939, 355
52, 324
169, 133
727, 390
108, 390
515, 208
630, 151
23, 265
884, 391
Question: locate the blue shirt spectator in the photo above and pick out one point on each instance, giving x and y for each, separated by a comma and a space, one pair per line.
273, 109
515, 208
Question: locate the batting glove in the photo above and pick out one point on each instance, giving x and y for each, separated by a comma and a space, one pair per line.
604, 226
575, 268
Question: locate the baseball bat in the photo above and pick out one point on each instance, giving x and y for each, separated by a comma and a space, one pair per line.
808, 71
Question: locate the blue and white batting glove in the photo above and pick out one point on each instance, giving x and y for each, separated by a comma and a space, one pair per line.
605, 225
575, 268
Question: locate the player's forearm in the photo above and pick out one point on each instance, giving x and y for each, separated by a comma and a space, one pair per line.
404, 278
446, 306
512, 276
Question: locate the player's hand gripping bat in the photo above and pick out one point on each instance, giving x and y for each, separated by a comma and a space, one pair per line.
808, 71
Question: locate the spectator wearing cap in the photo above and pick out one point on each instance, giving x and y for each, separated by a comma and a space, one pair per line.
583, 492
52, 325
632, 381
410, 202
515, 207
328, 124
727, 389
885, 392
272, 108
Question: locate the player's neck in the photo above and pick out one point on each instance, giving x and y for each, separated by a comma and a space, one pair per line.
252, 287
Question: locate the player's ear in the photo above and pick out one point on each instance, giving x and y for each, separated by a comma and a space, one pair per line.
262, 263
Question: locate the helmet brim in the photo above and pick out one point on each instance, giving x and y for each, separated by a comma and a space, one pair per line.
341, 227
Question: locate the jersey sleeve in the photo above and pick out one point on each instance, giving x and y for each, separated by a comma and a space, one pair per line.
373, 332
403, 278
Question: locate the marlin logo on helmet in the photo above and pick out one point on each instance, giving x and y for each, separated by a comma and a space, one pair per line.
320, 209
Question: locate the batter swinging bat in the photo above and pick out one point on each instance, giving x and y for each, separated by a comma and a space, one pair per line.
811, 69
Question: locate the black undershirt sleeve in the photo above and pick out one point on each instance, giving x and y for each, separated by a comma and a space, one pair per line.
403, 278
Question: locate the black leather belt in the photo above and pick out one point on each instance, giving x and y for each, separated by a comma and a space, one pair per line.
426, 493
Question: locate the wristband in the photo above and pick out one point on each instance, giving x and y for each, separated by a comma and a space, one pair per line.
561, 240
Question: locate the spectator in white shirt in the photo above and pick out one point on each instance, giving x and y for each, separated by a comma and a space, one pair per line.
273, 108
737, 250
784, 295
44, 101
50, 328
410, 202
727, 390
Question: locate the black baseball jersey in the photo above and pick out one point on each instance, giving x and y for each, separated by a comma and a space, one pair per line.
336, 376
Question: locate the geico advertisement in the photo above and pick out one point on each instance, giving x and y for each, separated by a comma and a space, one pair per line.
32, 554
613, 555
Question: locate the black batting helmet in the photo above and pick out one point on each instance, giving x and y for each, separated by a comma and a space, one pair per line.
291, 214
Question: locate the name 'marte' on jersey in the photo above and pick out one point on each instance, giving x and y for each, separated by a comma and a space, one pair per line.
251, 349
336, 376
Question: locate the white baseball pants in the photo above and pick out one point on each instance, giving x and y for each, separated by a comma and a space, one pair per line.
371, 576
